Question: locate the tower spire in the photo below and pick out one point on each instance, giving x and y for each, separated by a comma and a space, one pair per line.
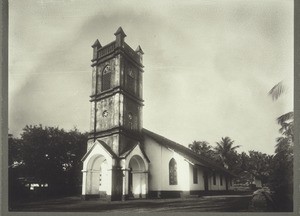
120, 31
139, 50
120, 35
95, 47
97, 44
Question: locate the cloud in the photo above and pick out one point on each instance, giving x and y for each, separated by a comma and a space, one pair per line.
208, 64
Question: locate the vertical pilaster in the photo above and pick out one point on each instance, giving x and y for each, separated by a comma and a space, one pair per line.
125, 184
117, 183
84, 183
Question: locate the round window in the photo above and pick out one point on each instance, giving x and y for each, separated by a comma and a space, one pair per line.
105, 113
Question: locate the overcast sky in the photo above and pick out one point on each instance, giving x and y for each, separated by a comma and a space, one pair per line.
208, 64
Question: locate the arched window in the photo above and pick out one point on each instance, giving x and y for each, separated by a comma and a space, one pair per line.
106, 78
172, 172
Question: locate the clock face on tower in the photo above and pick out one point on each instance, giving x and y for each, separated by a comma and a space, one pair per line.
105, 113
106, 69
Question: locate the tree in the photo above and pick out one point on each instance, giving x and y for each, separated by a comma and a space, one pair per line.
259, 165
226, 152
50, 155
203, 148
244, 161
14, 149
282, 174
282, 164
277, 90
16, 189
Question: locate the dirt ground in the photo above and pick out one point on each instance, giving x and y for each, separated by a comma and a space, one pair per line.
225, 203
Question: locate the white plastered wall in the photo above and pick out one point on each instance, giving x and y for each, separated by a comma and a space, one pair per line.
160, 157
218, 185
200, 184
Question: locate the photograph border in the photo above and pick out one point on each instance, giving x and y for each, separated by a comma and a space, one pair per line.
4, 128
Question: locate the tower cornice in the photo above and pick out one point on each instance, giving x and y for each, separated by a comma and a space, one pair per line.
137, 135
111, 50
113, 91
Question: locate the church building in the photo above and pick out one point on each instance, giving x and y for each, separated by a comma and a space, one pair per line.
125, 160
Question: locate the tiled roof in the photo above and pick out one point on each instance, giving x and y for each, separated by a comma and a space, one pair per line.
186, 152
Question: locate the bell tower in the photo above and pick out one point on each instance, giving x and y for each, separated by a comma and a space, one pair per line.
116, 98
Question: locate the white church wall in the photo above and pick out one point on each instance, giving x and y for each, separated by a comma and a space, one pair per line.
154, 152
183, 174
160, 157
223, 187
200, 184
218, 185
213, 186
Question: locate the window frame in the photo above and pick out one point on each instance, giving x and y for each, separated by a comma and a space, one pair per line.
106, 78
173, 172
131, 80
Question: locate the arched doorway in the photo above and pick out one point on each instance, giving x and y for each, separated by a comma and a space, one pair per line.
137, 177
97, 176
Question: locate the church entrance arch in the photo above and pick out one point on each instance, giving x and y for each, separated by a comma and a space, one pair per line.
97, 176
137, 177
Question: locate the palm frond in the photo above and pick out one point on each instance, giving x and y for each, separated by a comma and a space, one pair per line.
235, 147
285, 117
277, 91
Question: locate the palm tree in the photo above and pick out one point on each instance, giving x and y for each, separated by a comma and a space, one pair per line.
202, 148
199, 146
277, 90
225, 150
282, 172
286, 121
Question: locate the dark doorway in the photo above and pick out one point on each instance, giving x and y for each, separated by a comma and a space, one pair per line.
205, 176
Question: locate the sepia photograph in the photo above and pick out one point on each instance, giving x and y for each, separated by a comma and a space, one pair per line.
150, 106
